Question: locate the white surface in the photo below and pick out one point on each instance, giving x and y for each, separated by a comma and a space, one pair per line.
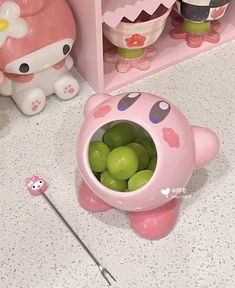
37, 251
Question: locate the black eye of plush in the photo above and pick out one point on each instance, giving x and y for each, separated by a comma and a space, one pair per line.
40, 181
24, 68
66, 49
128, 100
159, 112
33, 186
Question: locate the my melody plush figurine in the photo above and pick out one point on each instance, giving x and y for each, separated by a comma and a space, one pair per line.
36, 37
136, 152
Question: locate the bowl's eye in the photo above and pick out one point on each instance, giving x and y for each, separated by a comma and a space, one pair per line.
159, 112
128, 100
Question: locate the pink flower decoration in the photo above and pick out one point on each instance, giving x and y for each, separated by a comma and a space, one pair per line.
170, 136
218, 12
102, 111
135, 40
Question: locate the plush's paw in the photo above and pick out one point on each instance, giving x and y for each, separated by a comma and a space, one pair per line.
69, 89
30, 102
66, 87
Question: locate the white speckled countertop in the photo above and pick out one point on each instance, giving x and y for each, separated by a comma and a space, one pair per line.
37, 251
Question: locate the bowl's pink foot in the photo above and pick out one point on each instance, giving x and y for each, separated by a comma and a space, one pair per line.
89, 201
194, 40
157, 223
123, 65
212, 37
142, 64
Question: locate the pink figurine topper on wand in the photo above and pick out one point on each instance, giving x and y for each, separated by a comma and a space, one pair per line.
36, 185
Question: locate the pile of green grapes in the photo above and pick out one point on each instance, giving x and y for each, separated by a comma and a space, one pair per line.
125, 159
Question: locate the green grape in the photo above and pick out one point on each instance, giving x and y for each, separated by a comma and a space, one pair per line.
98, 154
122, 162
139, 179
140, 131
152, 164
112, 183
119, 135
141, 153
148, 145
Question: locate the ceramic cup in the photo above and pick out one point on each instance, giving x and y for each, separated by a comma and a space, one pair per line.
201, 10
133, 40
198, 21
139, 34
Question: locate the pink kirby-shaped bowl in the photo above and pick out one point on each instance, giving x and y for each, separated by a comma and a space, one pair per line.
137, 34
181, 148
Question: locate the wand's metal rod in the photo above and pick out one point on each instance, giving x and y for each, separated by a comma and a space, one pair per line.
103, 270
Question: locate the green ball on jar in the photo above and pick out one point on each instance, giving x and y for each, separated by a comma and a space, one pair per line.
122, 163
119, 135
97, 155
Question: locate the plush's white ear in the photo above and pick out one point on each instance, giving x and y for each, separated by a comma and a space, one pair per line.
206, 145
93, 101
